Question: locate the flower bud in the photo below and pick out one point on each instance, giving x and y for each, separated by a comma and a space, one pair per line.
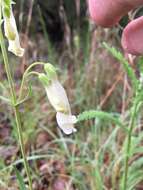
12, 35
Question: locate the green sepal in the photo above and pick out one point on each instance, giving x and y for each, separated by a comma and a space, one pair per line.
44, 79
6, 8
6, 11
7, 2
50, 71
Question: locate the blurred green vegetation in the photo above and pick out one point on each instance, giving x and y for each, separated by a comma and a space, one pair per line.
91, 159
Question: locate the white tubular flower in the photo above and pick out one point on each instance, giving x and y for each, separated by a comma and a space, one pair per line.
58, 99
12, 35
66, 122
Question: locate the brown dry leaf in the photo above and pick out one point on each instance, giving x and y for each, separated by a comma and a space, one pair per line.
5, 131
7, 151
42, 139
59, 167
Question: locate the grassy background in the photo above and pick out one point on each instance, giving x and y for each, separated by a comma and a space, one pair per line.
60, 32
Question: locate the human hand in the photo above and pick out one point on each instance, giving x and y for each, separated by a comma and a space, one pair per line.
108, 12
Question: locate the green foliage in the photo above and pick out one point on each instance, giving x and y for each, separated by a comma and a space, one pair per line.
135, 173
110, 117
131, 175
140, 64
124, 62
88, 156
98, 178
20, 180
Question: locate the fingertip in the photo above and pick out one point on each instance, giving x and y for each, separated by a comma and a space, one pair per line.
98, 13
107, 13
132, 37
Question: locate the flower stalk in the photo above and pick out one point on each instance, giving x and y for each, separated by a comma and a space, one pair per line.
14, 104
128, 146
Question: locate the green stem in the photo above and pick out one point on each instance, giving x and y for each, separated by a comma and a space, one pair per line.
15, 107
26, 73
127, 156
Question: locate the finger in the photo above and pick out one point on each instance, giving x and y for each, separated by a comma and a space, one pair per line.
108, 12
132, 37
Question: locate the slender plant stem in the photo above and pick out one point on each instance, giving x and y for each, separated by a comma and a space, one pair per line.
27, 73
127, 156
15, 107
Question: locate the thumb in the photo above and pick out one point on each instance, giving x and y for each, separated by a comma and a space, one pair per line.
108, 12
132, 37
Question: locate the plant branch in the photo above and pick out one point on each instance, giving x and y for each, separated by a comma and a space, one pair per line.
128, 146
15, 107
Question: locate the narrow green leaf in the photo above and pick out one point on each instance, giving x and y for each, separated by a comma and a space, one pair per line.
102, 115
20, 180
130, 72
5, 99
98, 179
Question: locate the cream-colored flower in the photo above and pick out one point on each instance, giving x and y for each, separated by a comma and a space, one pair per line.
12, 35
58, 99
65, 122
